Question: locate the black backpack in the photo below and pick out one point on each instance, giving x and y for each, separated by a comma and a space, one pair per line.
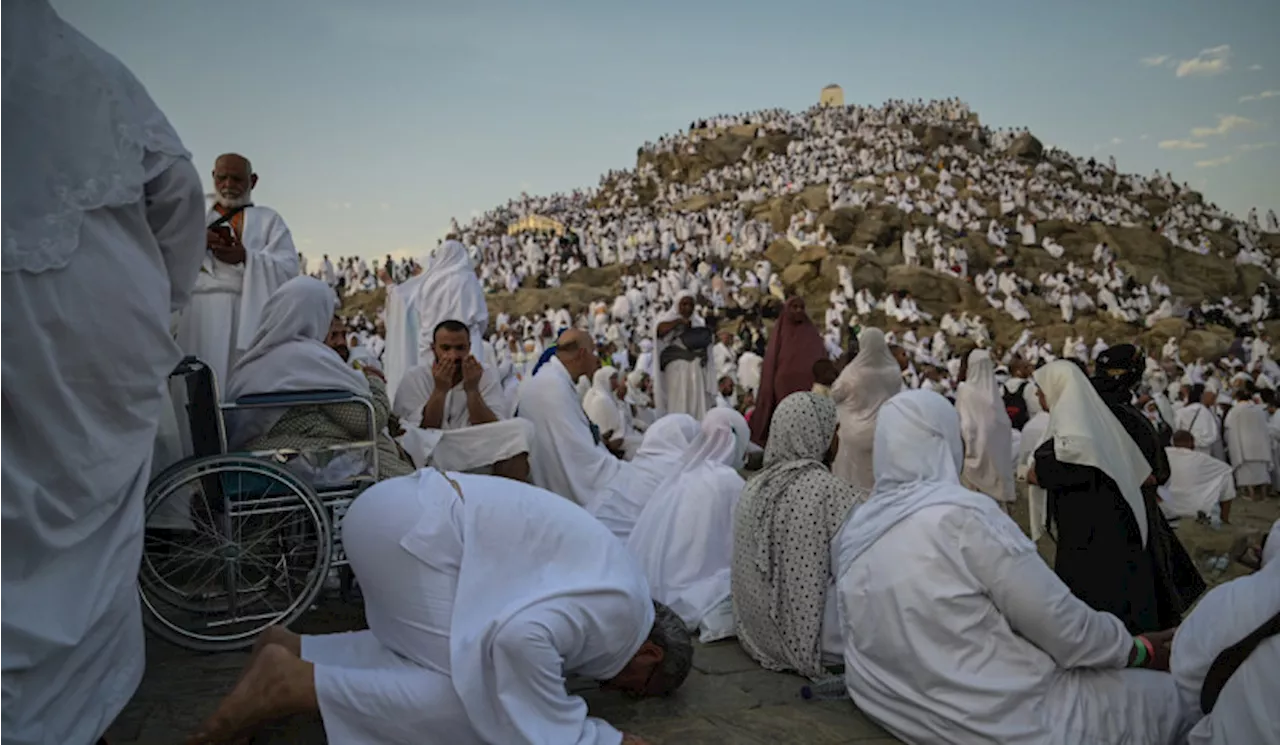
1015, 404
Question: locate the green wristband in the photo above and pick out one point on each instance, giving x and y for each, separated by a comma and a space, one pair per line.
1141, 659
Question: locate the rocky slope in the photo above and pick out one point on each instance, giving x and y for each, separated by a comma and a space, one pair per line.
869, 242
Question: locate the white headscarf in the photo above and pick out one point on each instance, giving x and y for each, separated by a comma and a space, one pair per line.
600, 403
1086, 433
663, 446
288, 354
872, 378
91, 136
723, 438
918, 457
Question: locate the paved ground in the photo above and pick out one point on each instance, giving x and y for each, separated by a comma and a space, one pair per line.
728, 699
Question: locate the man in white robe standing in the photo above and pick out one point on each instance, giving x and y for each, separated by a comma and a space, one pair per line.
446, 289
1198, 418
103, 237
684, 379
481, 596
250, 254
1248, 444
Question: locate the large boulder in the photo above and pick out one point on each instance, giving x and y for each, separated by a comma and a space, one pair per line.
1026, 147
797, 274
1207, 343
840, 223
780, 253
810, 255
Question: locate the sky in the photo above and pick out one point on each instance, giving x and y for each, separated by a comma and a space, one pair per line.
371, 123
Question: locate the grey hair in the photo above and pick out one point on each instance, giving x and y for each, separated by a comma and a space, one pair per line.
670, 633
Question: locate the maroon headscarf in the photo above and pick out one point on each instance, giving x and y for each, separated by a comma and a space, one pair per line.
794, 345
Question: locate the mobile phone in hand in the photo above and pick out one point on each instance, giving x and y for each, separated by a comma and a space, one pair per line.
223, 232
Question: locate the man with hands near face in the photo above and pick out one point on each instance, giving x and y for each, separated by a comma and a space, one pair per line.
455, 412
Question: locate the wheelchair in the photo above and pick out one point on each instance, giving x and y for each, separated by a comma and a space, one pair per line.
237, 542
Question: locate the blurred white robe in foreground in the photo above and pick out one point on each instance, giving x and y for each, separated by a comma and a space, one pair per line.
1246, 708
89, 282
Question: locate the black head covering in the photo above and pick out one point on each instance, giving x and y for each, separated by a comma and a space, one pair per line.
1118, 370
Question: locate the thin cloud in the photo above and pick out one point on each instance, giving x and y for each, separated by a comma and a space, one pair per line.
1211, 61
1256, 146
1226, 123
1155, 60
1215, 162
1116, 141
1181, 145
1259, 96
1143, 136
1255, 68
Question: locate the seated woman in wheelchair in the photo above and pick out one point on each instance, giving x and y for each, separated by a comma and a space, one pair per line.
299, 347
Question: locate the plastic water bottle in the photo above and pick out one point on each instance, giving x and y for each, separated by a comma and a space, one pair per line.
825, 689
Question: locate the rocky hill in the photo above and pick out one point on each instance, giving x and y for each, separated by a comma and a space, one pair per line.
869, 242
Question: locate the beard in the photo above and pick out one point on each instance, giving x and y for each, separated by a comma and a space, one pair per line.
230, 202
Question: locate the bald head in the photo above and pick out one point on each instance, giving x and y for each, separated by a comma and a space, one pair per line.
572, 340
577, 353
233, 180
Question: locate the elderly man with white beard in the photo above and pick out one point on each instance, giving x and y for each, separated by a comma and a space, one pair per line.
250, 253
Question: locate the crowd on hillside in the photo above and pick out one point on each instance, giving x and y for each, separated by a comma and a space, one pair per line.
580, 492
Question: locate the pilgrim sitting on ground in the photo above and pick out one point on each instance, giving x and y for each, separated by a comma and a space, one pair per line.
298, 347
610, 415
785, 521
472, 626
455, 412
684, 537
568, 458
956, 631
1199, 485
1224, 663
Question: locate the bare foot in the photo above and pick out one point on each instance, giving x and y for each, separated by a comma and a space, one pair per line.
279, 636
275, 685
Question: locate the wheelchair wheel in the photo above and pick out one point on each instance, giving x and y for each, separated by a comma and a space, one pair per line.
251, 550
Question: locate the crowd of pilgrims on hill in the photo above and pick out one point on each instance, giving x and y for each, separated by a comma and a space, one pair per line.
829, 494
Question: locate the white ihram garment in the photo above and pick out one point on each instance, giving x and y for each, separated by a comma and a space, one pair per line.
479, 602
447, 290
1245, 711
1012, 657
227, 303
564, 457
1197, 483
1248, 443
684, 386
872, 378
90, 277
986, 431
684, 537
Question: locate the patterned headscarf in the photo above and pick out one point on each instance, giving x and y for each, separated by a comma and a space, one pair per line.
799, 437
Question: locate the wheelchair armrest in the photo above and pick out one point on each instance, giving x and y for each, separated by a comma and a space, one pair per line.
293, 398
189, 364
